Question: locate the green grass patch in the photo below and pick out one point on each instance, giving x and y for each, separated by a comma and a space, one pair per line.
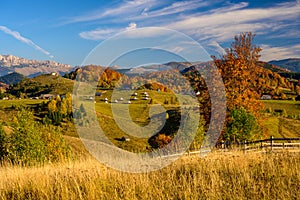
291, 107
280, 127
4, 104
271, 125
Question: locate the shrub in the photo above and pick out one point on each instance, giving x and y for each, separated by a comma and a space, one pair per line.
31, 143
241, 126
55, 117
160, 140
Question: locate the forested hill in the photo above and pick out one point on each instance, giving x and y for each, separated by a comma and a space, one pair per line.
12, 78
291, 64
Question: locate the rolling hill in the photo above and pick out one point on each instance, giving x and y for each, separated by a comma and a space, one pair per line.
43, 84
12, 78
292, 64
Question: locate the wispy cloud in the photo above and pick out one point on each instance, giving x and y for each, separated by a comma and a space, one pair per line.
230, 7
222, 25
174, 8
208, 24
133, 10
269, 51
127, 8
27, 41
101, 34
219, 24
214, 47
98, 34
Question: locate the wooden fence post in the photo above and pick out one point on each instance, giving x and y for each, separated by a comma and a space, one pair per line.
271, 142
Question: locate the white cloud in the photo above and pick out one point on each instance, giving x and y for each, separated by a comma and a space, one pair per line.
98, 34
101, 34
276, 53
131, 26
27, 41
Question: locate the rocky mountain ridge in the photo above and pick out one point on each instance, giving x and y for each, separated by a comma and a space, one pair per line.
10, 64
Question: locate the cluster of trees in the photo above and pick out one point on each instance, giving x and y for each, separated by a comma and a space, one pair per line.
106, 77
58, 109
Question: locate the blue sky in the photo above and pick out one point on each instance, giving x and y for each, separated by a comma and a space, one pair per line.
66, 31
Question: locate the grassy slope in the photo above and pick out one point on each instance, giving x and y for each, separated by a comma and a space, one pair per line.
139, 113
238, 176
5, 104
291, 107
281, 126
46, 83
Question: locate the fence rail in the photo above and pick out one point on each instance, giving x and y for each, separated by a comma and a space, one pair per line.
270, 144
266, 144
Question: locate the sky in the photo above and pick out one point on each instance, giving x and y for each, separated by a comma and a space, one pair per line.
67, 31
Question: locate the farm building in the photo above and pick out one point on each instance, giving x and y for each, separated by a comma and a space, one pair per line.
47, 96
266, 97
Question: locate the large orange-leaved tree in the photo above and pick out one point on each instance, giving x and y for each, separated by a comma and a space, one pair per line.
238, 67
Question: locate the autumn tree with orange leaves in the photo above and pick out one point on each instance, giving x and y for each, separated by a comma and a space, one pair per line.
240, 74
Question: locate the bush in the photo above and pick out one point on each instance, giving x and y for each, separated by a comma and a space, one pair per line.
160, 140
241, 126
55, 117
31, 143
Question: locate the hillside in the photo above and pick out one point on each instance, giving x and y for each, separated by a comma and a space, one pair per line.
156, 68
272, 67
170, 75
43, 84
292, 64
12, 78
10, 63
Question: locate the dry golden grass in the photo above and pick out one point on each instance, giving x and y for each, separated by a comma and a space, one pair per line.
218, 176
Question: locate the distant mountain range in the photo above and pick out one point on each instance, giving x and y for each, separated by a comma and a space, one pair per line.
30, 68
13, 69
157, 68
292, 64
281, 66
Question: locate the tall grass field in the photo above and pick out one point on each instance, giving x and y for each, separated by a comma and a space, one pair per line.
217, 176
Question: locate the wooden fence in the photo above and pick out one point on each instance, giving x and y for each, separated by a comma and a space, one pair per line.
270, 144
266, 144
